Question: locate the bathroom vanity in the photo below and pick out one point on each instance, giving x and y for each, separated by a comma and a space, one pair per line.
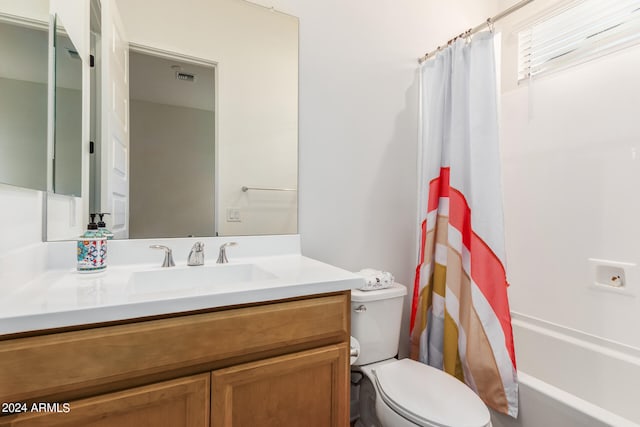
279, 363
269, 350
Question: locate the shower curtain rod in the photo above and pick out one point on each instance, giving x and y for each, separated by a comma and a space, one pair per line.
488, 23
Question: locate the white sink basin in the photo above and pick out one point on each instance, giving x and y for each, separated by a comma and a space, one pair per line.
206, 278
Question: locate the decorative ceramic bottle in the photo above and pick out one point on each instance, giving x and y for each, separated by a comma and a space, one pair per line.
92, 249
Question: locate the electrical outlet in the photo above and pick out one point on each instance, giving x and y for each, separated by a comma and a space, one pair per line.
612, 276
233, 215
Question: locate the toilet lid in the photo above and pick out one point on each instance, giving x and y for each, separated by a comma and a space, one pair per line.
428, 396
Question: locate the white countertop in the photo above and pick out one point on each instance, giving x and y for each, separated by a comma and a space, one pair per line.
64, 297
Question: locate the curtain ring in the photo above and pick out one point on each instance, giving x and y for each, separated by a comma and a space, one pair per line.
490, 25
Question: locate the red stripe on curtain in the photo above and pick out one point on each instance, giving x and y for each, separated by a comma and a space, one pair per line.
488, 273
460, 216
438, 187
487, 270
416, 282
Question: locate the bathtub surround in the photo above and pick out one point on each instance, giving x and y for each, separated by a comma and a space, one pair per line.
569, 145
559, 139
546, 405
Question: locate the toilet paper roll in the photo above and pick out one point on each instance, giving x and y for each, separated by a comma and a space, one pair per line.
355, 350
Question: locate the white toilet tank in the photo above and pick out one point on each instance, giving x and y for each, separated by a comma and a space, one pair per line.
375, 322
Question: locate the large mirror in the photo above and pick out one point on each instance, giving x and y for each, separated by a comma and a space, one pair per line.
23, 101
195, 132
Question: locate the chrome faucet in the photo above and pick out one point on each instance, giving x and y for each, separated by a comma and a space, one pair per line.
196, 256
168, 256
222, 256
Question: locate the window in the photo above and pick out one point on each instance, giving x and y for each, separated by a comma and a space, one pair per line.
577, 33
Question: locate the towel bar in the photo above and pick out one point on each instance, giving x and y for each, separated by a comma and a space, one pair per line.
245, 189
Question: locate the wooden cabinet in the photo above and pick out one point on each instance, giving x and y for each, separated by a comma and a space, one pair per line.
279, 364
301, 389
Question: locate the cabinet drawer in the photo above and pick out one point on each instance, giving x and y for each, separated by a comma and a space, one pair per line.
104, 359
176, 403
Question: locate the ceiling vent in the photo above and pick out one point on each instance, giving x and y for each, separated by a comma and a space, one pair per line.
186, 77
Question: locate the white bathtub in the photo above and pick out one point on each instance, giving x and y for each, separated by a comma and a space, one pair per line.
571, 379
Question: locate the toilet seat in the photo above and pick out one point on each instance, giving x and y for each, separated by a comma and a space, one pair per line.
429, 397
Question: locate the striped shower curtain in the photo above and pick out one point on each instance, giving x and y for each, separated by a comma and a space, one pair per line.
460, 320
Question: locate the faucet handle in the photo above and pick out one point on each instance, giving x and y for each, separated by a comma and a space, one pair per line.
222, 256
168, 255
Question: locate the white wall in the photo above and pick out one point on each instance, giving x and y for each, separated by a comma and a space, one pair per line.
32, 9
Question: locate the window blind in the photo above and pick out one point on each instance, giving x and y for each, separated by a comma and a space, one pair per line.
586, 29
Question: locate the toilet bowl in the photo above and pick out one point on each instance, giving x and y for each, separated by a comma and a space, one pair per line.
403, 393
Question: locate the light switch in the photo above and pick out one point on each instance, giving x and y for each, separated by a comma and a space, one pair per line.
233, 215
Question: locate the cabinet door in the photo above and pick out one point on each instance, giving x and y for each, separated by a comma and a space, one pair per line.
307, 389
181, 402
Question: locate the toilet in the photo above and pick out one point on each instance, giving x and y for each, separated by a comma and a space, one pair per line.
403, 393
